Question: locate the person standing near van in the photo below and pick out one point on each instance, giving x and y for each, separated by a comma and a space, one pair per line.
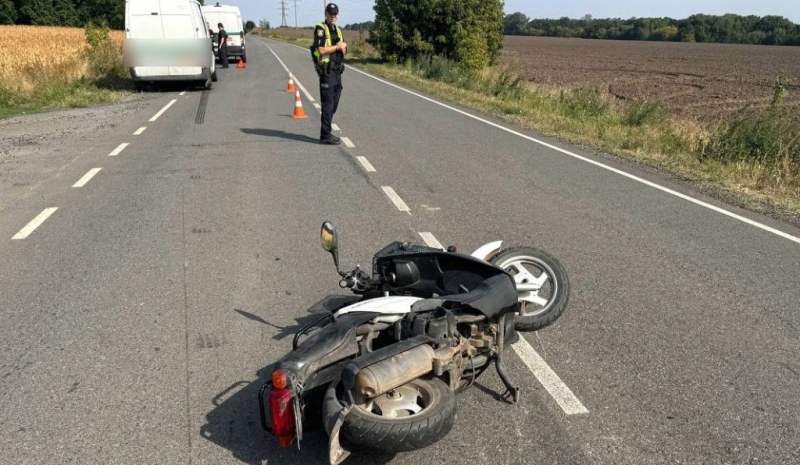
222, 40
329, 50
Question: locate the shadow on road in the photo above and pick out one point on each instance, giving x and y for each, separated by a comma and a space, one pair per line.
234, 423
280, 134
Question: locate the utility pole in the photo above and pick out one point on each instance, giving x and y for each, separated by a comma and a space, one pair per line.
283, 13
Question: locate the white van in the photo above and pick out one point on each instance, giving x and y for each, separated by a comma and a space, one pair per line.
167, 40
231, 19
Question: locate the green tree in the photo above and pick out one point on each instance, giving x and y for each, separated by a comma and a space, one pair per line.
110, 12
664, 33
410, 28
249, 26
8, 13
263, 24
515, 24
47, 13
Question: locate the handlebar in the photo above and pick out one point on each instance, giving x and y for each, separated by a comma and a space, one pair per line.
356, 280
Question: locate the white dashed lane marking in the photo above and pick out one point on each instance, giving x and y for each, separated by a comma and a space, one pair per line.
335, 127
35, 223
87, 177
161, 112
398, 202
366, 164
549, 379
430, 240
118, 150
139, 131
347, 142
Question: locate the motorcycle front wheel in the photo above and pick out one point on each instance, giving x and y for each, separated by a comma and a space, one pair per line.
542, 285
411, 417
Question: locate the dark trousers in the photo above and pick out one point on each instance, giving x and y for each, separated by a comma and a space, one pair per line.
330, 89
223, 56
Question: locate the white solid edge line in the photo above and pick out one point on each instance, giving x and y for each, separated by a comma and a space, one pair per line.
335, 127
431, 240
35, 223
303, 89
549, 379
118, 150
140, 130
398, 202
347, 142
161, 112
87, 177
601, 165
366, 164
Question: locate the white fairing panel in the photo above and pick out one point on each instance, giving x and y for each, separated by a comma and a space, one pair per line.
486, 250
393, 308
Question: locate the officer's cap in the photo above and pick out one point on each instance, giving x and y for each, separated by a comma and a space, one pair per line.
332, 9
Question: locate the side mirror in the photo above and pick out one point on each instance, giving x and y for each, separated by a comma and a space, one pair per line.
330, 242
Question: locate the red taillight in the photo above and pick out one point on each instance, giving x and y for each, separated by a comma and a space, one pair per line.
282, 408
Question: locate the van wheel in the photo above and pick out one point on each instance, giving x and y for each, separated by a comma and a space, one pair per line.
207, 85
214, 75
244, 57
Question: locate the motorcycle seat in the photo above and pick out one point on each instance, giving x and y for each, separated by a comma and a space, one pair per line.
491, 296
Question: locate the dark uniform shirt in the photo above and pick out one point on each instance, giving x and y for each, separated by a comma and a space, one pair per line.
319, 41
222, 39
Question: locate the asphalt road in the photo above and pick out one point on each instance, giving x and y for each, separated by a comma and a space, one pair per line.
139, 318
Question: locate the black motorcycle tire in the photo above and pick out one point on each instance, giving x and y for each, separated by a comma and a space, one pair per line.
363, 430
557, 303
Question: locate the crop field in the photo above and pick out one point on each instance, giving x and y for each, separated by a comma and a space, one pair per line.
43, 54
697, 81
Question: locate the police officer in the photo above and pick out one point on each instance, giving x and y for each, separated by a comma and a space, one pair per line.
222, 41
329, 50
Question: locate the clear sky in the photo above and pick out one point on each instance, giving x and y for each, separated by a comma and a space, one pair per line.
309, 12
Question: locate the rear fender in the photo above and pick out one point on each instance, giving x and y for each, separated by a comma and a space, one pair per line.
332, 343
487, 251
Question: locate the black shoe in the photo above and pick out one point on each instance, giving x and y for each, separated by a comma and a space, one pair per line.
330, 140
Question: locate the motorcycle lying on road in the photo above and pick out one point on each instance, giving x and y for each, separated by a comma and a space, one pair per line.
381, 374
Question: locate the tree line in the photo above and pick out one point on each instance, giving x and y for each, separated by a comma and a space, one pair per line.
729, 28
70, 13
365, 26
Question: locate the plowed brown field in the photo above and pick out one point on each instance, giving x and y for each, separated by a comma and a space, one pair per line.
702, 81
698, 81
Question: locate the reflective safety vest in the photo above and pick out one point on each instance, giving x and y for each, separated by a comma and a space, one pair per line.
326, 57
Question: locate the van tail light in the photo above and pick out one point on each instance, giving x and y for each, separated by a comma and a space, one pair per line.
282, 409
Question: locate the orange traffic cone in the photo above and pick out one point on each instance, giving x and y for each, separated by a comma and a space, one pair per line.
299, 113
241, 64
291, 87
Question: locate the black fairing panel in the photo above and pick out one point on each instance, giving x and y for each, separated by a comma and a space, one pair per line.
453, 278
330, 344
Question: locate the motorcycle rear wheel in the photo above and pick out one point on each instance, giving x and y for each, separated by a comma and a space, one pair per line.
411, 417
540, 270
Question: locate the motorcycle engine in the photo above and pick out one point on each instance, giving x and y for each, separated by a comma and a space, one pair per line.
439, 324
